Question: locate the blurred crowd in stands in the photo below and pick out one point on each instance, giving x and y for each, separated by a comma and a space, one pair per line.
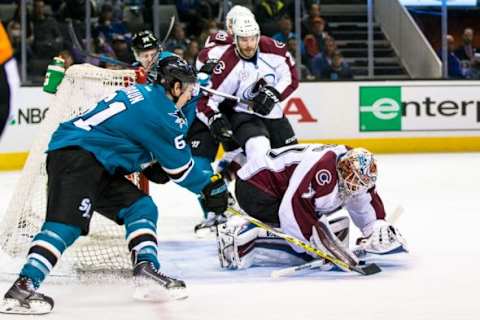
114, 22
464, 60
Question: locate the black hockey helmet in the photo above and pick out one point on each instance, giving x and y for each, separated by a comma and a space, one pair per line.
171, 68
144, 40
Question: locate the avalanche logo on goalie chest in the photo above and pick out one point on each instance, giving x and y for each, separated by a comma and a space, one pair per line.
323, 177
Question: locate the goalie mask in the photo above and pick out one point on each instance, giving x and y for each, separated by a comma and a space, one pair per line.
357, 170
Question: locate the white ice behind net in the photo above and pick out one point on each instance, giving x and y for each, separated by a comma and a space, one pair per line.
105, 247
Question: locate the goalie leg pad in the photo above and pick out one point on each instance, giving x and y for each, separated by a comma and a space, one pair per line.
242, 245
341, 228
325, 240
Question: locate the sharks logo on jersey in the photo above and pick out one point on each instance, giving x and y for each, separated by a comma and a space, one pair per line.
179, 118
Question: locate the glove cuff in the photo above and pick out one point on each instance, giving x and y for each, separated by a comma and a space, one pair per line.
274, 91
369, 228
213, 116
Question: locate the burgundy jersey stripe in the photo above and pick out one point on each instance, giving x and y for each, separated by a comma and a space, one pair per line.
294, 85
268, 45
203, 55
225, 65
377, 204
273, 183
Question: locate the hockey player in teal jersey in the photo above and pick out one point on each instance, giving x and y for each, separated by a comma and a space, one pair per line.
141, 127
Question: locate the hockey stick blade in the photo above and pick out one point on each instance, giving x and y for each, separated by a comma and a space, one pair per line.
367, 269
316, 264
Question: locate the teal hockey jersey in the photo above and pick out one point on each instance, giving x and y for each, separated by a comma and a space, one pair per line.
130, 129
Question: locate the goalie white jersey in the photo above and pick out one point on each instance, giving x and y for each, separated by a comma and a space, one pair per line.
305, 179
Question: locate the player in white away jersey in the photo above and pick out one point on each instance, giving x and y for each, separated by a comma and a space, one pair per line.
296, 188
271, 77
258, 69
202, 142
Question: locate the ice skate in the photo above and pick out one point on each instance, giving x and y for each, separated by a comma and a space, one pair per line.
153, 285
22, 298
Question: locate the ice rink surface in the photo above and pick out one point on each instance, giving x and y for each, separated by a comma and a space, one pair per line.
439, 279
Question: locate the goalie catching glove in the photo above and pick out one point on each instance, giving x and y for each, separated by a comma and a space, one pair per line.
215, 195
265, 100
385, 239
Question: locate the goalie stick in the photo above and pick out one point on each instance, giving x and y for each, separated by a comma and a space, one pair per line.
320, 264
367, 269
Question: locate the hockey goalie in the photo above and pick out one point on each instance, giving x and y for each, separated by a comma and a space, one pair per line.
297, 189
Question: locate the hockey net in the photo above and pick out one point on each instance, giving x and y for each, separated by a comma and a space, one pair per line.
105, 247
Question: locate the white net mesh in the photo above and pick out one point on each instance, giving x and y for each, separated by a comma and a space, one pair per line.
104, 248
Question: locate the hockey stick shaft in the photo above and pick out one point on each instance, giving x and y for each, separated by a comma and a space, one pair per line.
101, 57
292, 270
395, 215
170, 28
391, 218
226, 95
367, 270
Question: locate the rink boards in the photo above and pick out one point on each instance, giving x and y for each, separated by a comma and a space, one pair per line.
387, 117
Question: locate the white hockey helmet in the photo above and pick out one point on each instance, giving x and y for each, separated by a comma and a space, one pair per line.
246, 27
357, 170
235, 12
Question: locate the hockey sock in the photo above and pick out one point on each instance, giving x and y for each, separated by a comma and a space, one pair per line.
47, 247
141, 230
205, 165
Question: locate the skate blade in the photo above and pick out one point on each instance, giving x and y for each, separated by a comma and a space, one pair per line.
205, 233
153, 292
12, 306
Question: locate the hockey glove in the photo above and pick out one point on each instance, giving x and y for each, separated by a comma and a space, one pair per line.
215, 195
265, 100
385, 239
209, 65
156, 174
220, 128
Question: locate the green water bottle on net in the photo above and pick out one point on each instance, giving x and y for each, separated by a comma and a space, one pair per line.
54, 75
